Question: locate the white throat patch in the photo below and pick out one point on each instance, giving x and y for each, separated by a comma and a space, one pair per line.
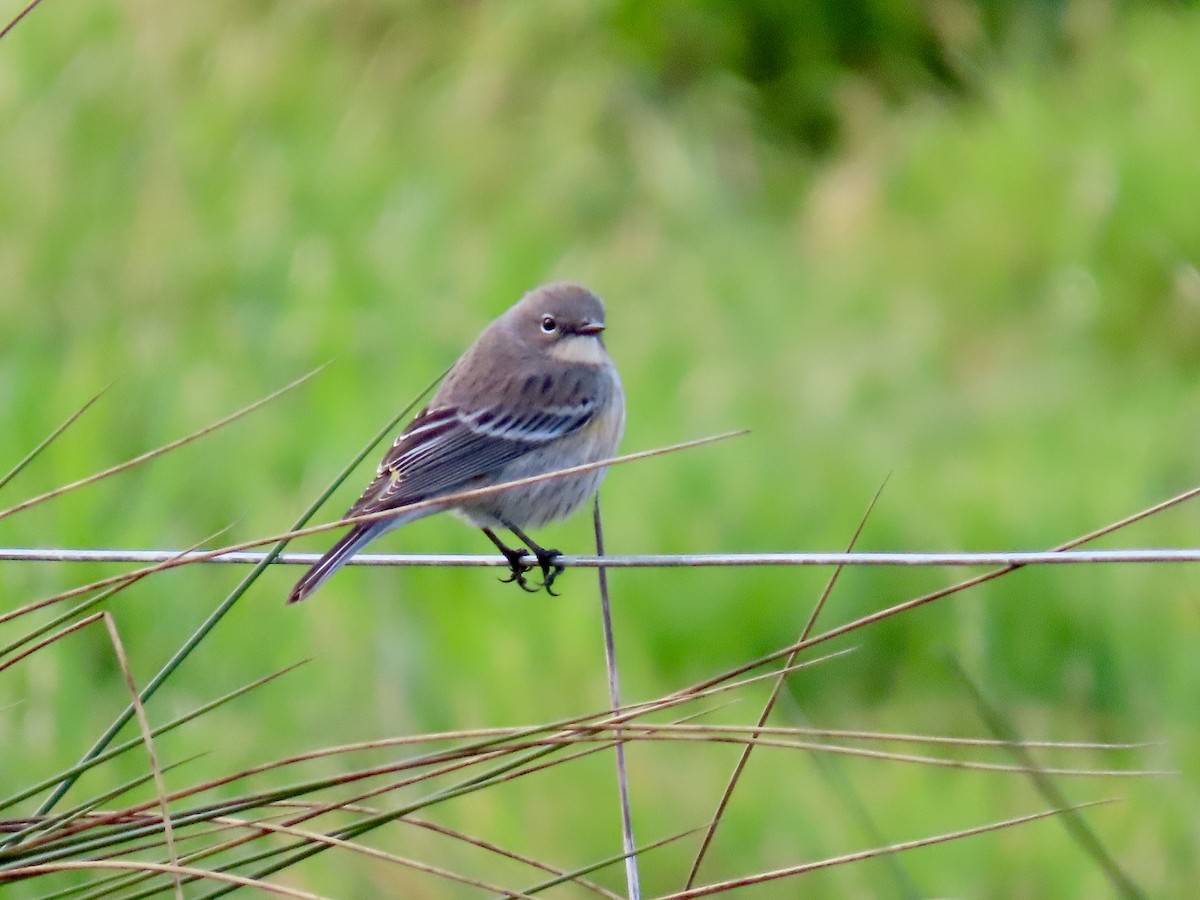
579, 348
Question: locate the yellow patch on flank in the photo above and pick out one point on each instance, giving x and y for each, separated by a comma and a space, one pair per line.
579, 348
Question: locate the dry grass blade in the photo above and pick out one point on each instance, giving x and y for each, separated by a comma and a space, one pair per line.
331, 841
178, 871
664, 734
157, 452
764, 877
574, 877
632, 881
605, 863
751, 731
22, 14
52, 436
744, 758
144, 726
47, 641
110, 586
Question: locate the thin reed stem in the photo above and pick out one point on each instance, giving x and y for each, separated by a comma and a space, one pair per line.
614, 696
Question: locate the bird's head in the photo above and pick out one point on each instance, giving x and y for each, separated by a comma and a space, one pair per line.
564, 318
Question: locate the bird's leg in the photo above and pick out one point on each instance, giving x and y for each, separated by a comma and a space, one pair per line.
545, 558
516, 562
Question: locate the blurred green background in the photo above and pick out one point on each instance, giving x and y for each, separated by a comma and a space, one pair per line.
955, 242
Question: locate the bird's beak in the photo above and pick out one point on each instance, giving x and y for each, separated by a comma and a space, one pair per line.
590, 328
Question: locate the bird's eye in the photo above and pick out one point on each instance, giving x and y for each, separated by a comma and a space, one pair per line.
548, 324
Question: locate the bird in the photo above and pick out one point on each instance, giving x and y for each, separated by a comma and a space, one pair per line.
536, 392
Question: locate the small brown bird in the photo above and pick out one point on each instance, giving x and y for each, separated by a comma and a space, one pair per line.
536, 392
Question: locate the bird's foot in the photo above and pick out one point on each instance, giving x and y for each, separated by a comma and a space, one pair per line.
518, 565
550, 569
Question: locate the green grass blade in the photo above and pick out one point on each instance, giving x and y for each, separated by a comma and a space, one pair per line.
224, 607
79, 768
1073, 822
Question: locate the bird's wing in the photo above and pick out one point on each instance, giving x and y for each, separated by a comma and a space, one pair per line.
447, 448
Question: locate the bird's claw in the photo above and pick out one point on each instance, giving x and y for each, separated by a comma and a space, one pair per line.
519, 563
550, 569
518, 575
518, 566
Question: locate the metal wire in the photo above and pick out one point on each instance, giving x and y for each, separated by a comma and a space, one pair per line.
643, 561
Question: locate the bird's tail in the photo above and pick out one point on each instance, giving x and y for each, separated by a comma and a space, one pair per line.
353, 541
